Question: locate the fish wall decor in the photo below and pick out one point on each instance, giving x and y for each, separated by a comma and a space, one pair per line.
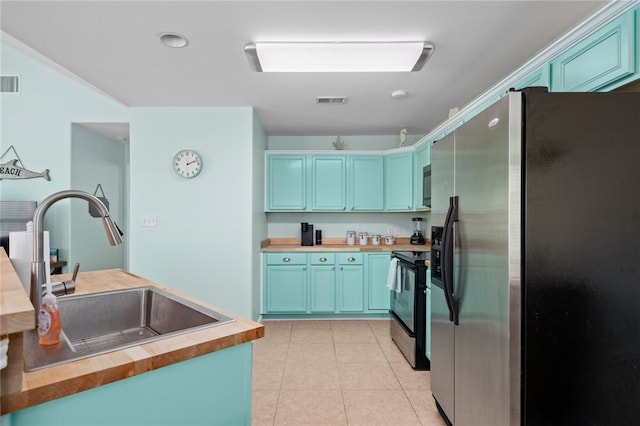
10, 170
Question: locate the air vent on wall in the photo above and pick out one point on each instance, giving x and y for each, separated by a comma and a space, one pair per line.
9, 84
331, 99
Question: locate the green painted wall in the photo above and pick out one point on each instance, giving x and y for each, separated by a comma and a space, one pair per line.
38, 122
209, 227
96, 159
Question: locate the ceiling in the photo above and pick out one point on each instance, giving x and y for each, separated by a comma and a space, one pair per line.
114, 46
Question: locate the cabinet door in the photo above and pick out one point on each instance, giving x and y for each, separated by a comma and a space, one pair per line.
366, 183
286, 289
377, 273
398, 189
602, 58
539, 78
286, 182
323, 288
328, 183
350, 282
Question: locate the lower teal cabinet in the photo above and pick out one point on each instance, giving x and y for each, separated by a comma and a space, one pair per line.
350, 282
323, 283
377, 274
285, 289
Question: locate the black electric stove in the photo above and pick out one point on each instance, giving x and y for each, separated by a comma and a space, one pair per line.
409, 306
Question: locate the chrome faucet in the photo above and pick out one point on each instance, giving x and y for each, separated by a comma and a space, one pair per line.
38, 275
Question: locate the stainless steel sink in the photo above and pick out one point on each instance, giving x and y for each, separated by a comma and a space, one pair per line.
98, 323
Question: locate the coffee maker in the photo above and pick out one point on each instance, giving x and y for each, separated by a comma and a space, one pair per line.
306, 234
418, 231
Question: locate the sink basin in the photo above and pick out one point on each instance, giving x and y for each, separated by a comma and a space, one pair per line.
98, 323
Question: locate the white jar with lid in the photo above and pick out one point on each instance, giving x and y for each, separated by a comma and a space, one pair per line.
375, 239
364, 238
389, 240
351, 238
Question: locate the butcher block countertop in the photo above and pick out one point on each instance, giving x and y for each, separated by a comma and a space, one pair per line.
16, 311
292, 245
21, 390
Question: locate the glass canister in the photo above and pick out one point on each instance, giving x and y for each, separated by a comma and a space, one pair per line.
351, 238
364, 238
389, 240
375, 239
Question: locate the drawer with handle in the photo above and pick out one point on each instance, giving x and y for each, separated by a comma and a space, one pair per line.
323, 258
351, 258
286, 259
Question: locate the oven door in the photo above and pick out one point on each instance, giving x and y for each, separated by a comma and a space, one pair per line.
403, 302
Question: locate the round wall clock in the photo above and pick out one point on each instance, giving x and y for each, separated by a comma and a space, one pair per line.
187, 163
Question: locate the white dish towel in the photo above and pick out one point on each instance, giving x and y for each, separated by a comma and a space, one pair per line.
394, 280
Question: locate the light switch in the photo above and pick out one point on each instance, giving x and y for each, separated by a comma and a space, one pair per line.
150, 221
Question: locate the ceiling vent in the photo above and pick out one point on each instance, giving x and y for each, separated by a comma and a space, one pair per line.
9, 84
331, 100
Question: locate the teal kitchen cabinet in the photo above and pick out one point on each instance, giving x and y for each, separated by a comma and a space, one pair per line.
285, 289
328, 183
350, 282
286, 182
423, 158
322, 283
377, 273
399, 177
602, 58
540, 78
366, 183
186, 393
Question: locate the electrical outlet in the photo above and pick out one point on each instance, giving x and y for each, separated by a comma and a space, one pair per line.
150, 221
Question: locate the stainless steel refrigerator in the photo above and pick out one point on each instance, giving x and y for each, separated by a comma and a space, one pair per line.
536, 262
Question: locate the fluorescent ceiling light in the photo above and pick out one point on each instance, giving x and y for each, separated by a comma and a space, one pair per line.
338, 56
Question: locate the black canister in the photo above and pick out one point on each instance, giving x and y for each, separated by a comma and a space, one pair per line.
318, 237
306, 234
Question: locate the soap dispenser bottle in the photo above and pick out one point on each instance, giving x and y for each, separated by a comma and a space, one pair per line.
49, 319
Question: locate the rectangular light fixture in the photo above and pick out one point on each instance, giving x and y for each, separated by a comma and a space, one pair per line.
338, 56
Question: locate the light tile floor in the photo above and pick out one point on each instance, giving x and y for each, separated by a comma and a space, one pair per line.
337, 373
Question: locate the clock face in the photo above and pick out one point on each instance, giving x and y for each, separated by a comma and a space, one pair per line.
187, 163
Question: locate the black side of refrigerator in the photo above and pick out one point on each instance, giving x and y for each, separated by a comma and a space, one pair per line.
581, 246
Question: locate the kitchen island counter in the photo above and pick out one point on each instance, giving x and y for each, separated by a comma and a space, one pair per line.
21, 390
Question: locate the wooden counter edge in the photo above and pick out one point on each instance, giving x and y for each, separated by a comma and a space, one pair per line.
16, 311
21, 389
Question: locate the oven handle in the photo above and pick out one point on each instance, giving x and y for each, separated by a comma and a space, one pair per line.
448, 240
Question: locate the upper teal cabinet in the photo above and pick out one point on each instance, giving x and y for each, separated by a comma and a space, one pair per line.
399, 181
539, 77
286, 182
328, 183
602, 58
366, 183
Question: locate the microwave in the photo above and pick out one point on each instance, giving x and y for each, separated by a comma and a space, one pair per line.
426, 186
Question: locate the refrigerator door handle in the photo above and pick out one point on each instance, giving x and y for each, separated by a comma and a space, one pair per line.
447, 270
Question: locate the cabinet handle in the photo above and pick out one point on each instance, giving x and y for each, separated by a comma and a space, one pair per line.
333, 269
342, 268
286, 259
323, 259
353, 208
408, 207
351, 259
304, 268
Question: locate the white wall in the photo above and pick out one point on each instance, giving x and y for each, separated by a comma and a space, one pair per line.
37, 122
96, 159
208, 227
